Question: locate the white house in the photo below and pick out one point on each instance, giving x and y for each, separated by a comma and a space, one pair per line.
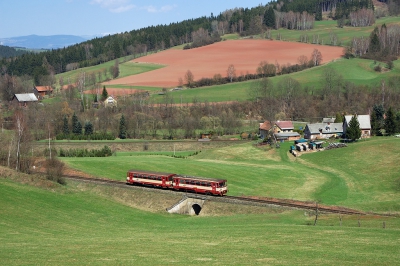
363, 120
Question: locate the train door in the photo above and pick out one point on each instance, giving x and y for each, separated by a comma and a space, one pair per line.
175, 183
163, 182
214, 188
131, 177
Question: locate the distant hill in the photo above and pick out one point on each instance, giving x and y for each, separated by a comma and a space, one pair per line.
42, 42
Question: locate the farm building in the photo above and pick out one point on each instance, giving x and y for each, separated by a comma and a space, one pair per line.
287, 136
327, 120
42, 91
22, 99
264, 129
363, 120
323, 130
283, 126
110, 102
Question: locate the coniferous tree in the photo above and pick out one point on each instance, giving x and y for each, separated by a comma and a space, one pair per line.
66, 126
390, 122
374, 44
353, 131
397, 120
76, 125
269, 18
104, 94
338, 118
122, 128
88, 128
78, 128
377, 119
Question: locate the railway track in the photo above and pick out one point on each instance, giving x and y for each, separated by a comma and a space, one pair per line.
229, 199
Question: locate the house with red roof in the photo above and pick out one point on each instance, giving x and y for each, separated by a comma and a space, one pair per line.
283, 130
283, 126
42, 91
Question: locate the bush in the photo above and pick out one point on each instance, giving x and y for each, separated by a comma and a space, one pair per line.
104, 152
378, 68
55, 170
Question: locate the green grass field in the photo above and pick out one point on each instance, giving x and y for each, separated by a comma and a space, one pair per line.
324, 29
357, 71
79, 224
361, 176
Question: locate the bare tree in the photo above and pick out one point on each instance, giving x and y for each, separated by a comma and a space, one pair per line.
231, 72
189, 78
316, 57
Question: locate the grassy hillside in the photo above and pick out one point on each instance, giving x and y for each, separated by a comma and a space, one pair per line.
357, 71
363, 175
324, 28
83, 224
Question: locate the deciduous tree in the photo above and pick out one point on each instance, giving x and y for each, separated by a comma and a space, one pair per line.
316, 57
231, 72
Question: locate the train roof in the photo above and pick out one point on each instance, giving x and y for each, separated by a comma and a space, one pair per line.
199, 178
150, 172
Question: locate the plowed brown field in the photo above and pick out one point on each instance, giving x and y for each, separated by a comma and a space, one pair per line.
213, 59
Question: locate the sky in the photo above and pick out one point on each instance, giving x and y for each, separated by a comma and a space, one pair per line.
102, 17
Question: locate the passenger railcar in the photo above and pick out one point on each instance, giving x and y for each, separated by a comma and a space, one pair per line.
194, 184
200, 185
156, 179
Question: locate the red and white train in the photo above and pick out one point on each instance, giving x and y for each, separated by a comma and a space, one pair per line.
194, 184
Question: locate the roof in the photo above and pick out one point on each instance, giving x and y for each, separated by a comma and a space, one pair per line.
363, 120
328, 120
326, 129
265, 126
284, 124
26, 97
199, 178
43, 88
287, 134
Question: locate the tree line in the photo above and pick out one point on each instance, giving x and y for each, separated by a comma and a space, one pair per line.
199, 31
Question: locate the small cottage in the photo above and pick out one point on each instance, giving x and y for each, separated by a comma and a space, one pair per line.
23, 99
42, 91
363, 120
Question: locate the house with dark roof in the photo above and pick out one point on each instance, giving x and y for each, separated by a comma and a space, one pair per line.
22, 99
327, 120
363, 120
287, 136
323, 130
42, 91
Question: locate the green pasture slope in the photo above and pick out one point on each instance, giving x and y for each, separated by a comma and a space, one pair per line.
357, 71
362, 176
324, 28
71, 226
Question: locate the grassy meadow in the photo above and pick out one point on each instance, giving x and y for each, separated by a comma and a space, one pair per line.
324, 29
79, 224
357, 71
362, 176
